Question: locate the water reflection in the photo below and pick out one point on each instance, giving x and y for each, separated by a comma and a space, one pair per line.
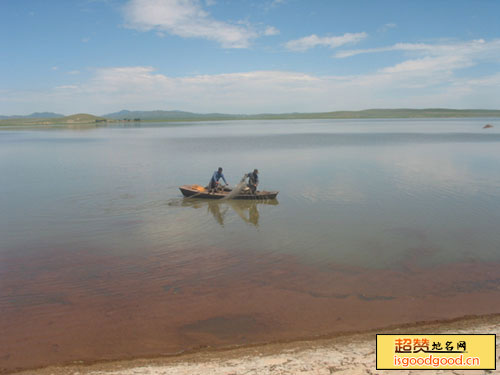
247, 210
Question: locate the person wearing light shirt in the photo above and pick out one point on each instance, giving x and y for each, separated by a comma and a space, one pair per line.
214, 181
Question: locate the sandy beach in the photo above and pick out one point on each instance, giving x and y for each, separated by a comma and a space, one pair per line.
345, 354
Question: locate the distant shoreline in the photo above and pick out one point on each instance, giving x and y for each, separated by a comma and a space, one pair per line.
179, 116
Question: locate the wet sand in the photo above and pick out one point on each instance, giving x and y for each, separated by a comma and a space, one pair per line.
344, 354
85, 305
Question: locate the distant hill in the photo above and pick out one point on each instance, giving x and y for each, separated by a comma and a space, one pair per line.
171, 116
368, 113
80, 118
164, 115
414, 113
34, 115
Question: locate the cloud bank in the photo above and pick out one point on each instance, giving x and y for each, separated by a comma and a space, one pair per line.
188, 19
311, 41
432, 76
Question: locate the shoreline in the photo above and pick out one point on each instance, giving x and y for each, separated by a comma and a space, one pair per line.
340, 353
110, 122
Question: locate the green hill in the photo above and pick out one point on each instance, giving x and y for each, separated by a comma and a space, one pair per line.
171, 116
78, 119
368, 113
81, 118
414, 113
165, 115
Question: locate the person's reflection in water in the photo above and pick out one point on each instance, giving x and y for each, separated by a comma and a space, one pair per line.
214, 209
247, 210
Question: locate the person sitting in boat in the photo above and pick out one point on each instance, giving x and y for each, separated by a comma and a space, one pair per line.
214, 182
253, 180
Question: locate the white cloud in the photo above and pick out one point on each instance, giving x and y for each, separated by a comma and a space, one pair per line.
67, 87
433, 77
387, 27
271, 30
395, 47
474, 49
432, 65
142, 88
267, 6
429, 64
311, 41
188, 19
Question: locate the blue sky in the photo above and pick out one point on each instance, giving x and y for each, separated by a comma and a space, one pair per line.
247, 56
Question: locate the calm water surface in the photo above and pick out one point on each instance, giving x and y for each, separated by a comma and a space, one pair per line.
345, 187
92, 223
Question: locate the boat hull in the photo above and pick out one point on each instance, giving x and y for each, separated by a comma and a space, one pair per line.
187, 191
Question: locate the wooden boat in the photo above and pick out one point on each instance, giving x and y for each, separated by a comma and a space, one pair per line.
197, 191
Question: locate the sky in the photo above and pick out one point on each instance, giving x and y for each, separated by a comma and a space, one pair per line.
247, 56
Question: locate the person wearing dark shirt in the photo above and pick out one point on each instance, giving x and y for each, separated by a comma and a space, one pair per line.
214, 181
253, 180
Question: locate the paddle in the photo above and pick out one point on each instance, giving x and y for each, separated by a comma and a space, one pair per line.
194, 195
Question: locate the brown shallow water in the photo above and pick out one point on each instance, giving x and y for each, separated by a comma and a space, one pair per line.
86, 306
352, 354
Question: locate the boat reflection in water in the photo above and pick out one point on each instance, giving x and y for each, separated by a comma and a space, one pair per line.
247, 210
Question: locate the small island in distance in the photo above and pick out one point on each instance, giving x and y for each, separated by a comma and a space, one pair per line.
49, 118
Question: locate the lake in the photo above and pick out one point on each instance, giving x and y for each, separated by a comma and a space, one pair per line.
377, 223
